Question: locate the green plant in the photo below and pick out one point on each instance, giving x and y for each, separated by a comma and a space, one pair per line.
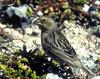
80, 1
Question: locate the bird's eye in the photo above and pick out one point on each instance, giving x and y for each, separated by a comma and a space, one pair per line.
58, 24
44, 20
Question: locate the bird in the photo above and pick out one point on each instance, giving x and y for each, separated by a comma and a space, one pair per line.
56, 45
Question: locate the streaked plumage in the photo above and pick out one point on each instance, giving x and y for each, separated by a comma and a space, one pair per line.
57, 46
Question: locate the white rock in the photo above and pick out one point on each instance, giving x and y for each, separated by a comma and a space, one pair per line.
82, 51
28, 30
21, 10
52, 76
95, 56
65, 23
96, 77
14, 34
76, 31
86, 8
40, 13
36, 29
2, 25
18, 43
97, 2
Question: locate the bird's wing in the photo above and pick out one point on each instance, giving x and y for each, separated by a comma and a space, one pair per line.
59, 45
65, 45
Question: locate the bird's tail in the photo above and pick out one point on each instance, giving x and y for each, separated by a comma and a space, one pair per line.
86, 69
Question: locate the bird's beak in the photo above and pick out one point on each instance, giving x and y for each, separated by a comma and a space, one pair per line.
36, 21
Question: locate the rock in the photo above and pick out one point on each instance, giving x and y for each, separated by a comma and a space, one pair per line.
96, 77
98, 51
89, 63
36, 29
80, 39
2, 25
13, 34
18, 43
28, 30
97, 2
52, 76
40, 13
86, 8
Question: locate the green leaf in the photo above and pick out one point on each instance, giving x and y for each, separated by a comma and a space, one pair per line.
33, 75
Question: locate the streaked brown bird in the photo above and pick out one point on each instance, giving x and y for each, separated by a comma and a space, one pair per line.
56, 45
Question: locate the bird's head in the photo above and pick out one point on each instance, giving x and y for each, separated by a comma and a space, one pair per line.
46, 24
